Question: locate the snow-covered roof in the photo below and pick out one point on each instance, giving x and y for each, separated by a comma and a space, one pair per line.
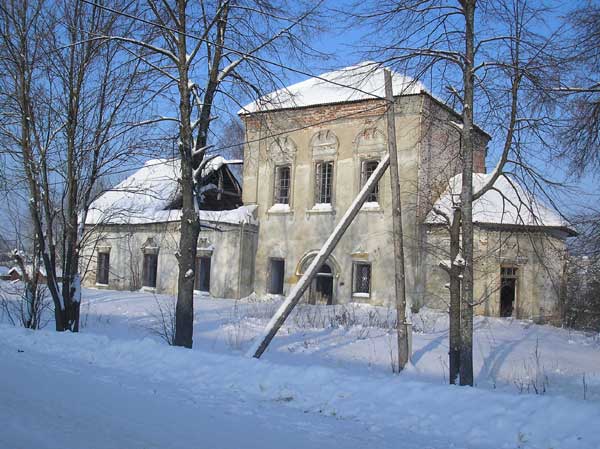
29, 268
359, 82
140, 198
145, 196
507, 203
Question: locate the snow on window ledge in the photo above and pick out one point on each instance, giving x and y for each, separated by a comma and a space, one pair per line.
101, 285
280, 208
361, 295
148, 289
371, 206
321, 208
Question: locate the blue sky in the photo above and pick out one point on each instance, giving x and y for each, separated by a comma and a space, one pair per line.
344, 46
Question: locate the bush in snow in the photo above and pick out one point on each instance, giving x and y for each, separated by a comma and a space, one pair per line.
24, 304
163, 320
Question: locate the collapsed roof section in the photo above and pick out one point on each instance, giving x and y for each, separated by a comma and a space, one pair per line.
152, 194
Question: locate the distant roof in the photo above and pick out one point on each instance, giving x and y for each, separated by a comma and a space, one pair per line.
360, 82
29, 268
507, 203
145, 196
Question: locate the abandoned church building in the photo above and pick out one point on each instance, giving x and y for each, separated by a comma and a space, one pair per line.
309, 149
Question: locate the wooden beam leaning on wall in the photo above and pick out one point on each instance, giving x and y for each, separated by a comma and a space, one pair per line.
295, 295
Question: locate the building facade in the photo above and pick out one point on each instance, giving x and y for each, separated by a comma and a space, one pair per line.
309, 150
307, 158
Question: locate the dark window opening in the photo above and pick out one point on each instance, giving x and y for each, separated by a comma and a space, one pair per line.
508, 288
203, 273
149, 270
277, 273
103, 268
362, 278
282, 185
324, 182
368, 167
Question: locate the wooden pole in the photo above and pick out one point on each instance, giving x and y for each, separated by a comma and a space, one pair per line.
262, 341
403, 328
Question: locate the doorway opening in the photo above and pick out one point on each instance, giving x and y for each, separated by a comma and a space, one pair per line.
203, 273
508, 291
277, 274
321, 288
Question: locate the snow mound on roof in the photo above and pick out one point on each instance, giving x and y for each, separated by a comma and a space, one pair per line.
140, 198
145, 196
359, 82
508, 203
243, 214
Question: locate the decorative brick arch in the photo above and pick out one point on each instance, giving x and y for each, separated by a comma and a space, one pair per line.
324, 143
370, 140
308, 257
282, 150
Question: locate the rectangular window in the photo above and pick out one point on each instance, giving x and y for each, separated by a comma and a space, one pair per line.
277, 272
362, 278
324, 182
103, 268
203, 273
149, 271
281, 193
368, 167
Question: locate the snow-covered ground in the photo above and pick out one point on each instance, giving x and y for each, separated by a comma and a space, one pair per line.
326, 379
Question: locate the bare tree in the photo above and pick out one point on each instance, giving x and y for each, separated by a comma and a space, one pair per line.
202, 52
482, 57
68, 109
580, 90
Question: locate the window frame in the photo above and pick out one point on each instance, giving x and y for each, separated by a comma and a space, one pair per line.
146, 267
318, 194
364, 177
102, 272
277, 184
197, 277
355, 291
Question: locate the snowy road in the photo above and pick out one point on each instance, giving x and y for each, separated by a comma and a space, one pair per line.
80, 391
44, 405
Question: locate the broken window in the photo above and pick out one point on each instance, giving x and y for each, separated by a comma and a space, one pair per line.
367, 169
102, 268
282, 185
277, 271
508, 291
149, 270
362, 278
202, 281
324, 182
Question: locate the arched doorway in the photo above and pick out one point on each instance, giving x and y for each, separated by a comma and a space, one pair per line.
321, 288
